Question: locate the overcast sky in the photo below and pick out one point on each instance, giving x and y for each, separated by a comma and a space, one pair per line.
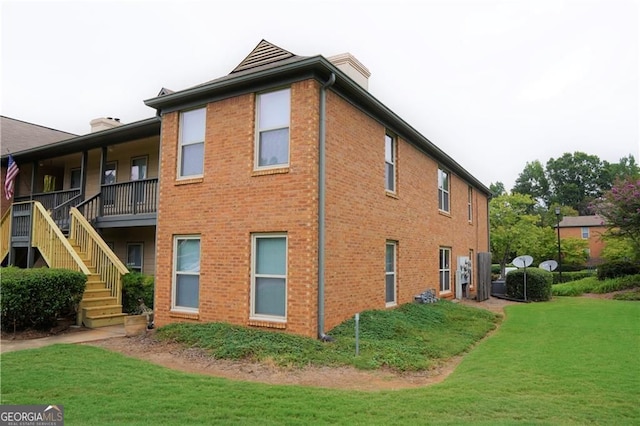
495, 84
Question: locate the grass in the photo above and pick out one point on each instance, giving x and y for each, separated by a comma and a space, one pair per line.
572, 361
593, 285
411, 337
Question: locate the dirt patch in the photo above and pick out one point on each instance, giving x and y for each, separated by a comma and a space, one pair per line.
64, 326
194, 360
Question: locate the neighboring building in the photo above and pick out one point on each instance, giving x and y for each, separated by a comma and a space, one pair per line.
590, 228
291, 198
283, 195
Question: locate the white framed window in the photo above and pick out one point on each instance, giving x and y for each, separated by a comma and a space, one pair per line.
389, 163
443, 190
186, 273
269, 276
391, 273
585, 233
135, 252
273, 111
470, 204
191, 143
445, 270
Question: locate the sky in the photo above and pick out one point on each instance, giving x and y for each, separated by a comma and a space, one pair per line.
493, 83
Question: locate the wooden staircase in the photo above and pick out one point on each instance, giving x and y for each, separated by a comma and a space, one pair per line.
98, 307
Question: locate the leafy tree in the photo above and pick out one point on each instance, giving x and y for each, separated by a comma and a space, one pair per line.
513, 229
577, 179
497, 189
574, 251
625, 168
620, 208
548, 216
617, 250
533, 181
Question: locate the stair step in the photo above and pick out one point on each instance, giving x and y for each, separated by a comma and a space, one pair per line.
99, 301
93, 277
93, 311
104, 320
95, 285
92, 294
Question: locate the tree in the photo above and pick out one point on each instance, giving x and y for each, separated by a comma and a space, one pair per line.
513, 230
617, 249
533, 181
625, 168
620, 209
497, 189
577, 179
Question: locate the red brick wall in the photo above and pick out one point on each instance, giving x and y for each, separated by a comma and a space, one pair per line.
596, 244
361, 217
230, 203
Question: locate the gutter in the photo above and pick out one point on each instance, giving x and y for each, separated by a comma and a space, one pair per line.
322, 177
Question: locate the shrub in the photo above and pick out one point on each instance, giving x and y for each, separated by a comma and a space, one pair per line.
617, 269
135, 286
36, 298
539, 284
571, 276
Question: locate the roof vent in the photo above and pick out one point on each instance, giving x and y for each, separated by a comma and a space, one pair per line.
348, 64
104, 123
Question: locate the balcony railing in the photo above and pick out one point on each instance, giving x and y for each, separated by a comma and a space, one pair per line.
51, 200
127, 198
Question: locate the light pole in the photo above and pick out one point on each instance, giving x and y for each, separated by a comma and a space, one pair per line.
559, 252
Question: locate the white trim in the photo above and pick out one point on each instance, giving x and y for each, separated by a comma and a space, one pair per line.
441, 270
174, 307
179, 175
444, 191
258, 131
393, 162
252, 313
394, 302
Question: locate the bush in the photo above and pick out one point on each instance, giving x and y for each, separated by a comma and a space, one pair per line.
617, 269
36, 298
571, 276
539, 284
136, 286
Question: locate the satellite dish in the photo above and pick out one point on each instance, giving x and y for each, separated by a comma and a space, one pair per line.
548, 265
522, 261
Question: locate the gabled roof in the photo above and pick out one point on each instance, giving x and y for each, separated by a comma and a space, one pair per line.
264, 53
18, 135
581, 221
268, 66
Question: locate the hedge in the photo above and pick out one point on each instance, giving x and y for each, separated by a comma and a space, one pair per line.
136, 286
571, 276
539, 284
36, 298
617, 269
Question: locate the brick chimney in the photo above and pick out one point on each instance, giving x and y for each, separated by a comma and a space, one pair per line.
104, 123
348, 64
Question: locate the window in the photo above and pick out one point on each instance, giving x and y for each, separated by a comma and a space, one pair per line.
138, 172
445, 270
390, 273
585, 233
76, 174
269, 276
389, 163
134, 256
443, 190
273, 111
470, 204
109, 178
191, 150
186, 273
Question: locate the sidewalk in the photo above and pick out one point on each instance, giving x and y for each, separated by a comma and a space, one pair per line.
78, 337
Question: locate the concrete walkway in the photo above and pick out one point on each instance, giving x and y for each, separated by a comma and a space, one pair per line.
87, 335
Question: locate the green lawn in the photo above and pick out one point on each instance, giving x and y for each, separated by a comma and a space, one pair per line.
569, 361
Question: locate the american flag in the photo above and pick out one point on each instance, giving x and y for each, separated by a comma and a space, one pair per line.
12, 172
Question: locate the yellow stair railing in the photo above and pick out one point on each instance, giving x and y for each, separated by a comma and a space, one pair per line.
98, 253
5, 233
52, 244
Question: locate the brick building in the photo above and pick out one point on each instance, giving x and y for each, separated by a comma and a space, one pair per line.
590, 228
291, 198
283, 195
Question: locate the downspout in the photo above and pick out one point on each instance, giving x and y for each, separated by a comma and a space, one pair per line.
321, 202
